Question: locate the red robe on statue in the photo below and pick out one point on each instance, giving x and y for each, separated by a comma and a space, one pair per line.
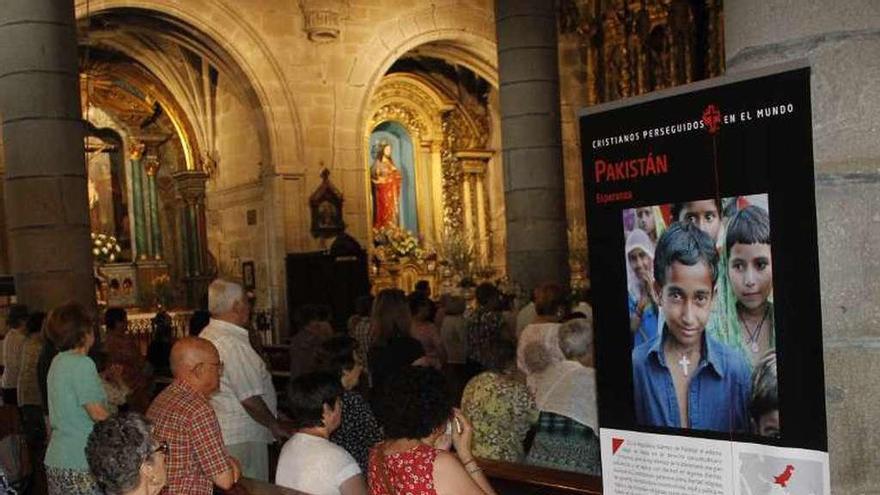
386, 190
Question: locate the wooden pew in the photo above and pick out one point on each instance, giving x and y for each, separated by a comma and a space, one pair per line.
523, 479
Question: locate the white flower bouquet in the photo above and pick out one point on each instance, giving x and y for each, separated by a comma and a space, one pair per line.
105, 248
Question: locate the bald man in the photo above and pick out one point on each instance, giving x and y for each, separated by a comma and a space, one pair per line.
182, 417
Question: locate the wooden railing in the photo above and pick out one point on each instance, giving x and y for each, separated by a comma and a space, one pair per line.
506, 479
140, 325
524, 479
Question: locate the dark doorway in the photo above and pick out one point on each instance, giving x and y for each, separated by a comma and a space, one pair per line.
333, 278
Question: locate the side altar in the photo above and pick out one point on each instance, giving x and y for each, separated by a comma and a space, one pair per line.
435, 197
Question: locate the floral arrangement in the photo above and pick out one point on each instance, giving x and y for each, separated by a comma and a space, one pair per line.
458, 252
394, 242
105, 248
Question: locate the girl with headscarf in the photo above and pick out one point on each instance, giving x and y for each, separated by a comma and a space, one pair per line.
650, 220
640, 285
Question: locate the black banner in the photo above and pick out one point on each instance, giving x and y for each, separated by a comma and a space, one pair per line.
704, 263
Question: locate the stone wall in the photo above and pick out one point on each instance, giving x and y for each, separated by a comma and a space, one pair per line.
234, 189
842, 43
4, 243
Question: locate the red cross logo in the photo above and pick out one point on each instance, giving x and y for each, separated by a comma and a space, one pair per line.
712, 118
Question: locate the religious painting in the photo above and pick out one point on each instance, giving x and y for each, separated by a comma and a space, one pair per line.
702, 267
107, 190
248, 275
326, 207
103, 187
393, 179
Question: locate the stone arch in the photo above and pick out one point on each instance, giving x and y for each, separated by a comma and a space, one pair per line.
459, 34
455, 33
405, 89
218, 22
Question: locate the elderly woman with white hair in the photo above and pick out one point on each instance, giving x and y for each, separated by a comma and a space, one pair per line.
565, 394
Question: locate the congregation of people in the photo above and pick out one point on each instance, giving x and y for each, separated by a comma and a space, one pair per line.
411, 397
414, 393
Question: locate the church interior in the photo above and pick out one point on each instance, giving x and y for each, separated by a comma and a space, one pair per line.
318, 151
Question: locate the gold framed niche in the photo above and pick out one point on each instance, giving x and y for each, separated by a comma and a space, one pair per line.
450, 159
417, 106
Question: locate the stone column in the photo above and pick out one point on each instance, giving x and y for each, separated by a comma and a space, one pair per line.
46, 193
534, 187
137, 193
842, 42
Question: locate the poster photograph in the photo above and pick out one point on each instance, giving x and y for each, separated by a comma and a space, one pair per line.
721, 306
702, 242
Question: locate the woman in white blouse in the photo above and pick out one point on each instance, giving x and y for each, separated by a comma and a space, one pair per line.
309, 462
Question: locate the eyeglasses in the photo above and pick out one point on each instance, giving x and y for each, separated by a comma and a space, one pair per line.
163, 448
218, 365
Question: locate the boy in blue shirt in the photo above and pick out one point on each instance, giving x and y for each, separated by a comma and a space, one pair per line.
684, 378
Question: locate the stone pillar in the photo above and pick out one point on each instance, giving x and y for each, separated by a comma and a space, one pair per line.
534, 187
46, 193
137, 194
842, 42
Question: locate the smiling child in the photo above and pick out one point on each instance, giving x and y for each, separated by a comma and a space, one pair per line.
683, 377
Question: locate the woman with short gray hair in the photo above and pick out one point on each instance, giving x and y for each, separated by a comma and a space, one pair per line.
124, 458
565, 393
576, 340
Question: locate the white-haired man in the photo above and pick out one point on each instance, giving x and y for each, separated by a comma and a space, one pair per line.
246, 404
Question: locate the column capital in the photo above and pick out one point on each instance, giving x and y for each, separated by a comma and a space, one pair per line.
152, 164
190, 185
474, 162
136, 150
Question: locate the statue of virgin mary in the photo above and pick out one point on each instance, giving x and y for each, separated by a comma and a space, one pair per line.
386, 179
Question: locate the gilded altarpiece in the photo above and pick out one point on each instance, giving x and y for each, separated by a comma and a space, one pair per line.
631, 47
450, 158
156, 217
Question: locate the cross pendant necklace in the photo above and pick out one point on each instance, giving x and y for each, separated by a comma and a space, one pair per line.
684, 362
754, 334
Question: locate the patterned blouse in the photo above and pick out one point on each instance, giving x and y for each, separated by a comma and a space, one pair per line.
502, 411
360, 329
563, 443
484, 329
359, 430
28, 383
410, 472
